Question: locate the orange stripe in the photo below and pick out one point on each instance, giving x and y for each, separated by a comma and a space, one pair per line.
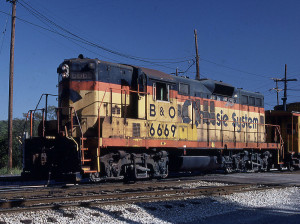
98, 86
116, 88
154, 143
223, 104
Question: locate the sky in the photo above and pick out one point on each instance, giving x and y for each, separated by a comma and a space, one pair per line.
244, 43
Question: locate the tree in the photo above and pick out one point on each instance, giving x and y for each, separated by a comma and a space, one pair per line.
20, 126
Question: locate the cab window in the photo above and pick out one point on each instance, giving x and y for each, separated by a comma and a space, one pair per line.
161, 91
82, 71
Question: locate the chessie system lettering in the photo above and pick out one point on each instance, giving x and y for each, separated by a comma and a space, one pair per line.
210, 118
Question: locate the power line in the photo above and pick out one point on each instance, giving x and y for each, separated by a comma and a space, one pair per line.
170, 60
74, 37
225, 66
50, 30
41, 16
89, 50
264, 86
147, 60
189, 67
79, 39
55, 16
4, 31
75, 42
83, 41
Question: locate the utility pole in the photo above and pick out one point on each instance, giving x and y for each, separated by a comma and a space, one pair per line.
197, 57
285, 80
11, 80
177, 72
276, 89
285, 88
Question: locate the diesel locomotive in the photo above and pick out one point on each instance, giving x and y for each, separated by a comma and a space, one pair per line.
117, 121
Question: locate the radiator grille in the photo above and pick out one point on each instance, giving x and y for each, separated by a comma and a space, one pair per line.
116, 110
136, 130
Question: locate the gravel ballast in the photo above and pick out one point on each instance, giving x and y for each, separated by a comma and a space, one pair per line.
274, 202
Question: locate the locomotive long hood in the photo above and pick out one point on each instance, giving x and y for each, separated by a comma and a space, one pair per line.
219, 88
158, 75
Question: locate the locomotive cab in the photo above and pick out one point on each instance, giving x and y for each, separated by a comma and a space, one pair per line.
71, 75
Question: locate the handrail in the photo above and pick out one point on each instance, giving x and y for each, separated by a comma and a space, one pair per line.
99, 127
126, 90
78, 121
281, 140
44, 94
76, 115
31, 114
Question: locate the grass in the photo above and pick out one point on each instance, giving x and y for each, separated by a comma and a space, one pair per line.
13, 171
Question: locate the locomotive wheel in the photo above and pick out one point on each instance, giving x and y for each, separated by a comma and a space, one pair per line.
95, 177
290, 167
228, 170
129, 175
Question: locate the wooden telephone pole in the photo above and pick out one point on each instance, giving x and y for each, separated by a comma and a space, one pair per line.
277, 89
285, 80
11, 81
197, 57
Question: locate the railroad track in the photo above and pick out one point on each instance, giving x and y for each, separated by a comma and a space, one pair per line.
95, 195
42, 190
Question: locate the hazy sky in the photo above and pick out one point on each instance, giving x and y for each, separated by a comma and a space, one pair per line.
243, 43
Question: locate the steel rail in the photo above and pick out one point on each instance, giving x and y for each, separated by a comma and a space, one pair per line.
13, 193
125, 197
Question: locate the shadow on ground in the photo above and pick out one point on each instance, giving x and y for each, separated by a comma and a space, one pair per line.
201, 210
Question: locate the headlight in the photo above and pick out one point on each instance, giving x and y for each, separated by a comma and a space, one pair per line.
65, 71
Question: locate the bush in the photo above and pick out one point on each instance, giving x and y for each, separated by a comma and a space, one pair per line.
18, 125
13, 171
18, 132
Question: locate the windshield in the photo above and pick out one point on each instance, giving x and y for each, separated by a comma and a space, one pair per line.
82, 70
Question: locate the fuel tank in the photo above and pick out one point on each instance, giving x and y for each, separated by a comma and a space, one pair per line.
197, 163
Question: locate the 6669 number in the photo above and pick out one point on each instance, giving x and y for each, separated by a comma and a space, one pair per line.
163, 130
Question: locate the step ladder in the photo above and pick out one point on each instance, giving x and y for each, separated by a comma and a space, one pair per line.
85, 162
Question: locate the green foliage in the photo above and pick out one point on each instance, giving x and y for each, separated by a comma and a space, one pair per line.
19, 127
51, 113
13, 171
3, 145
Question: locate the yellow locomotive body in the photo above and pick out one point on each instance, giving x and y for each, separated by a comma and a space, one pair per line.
131, 121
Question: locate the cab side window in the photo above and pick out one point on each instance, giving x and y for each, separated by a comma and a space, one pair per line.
161, 91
